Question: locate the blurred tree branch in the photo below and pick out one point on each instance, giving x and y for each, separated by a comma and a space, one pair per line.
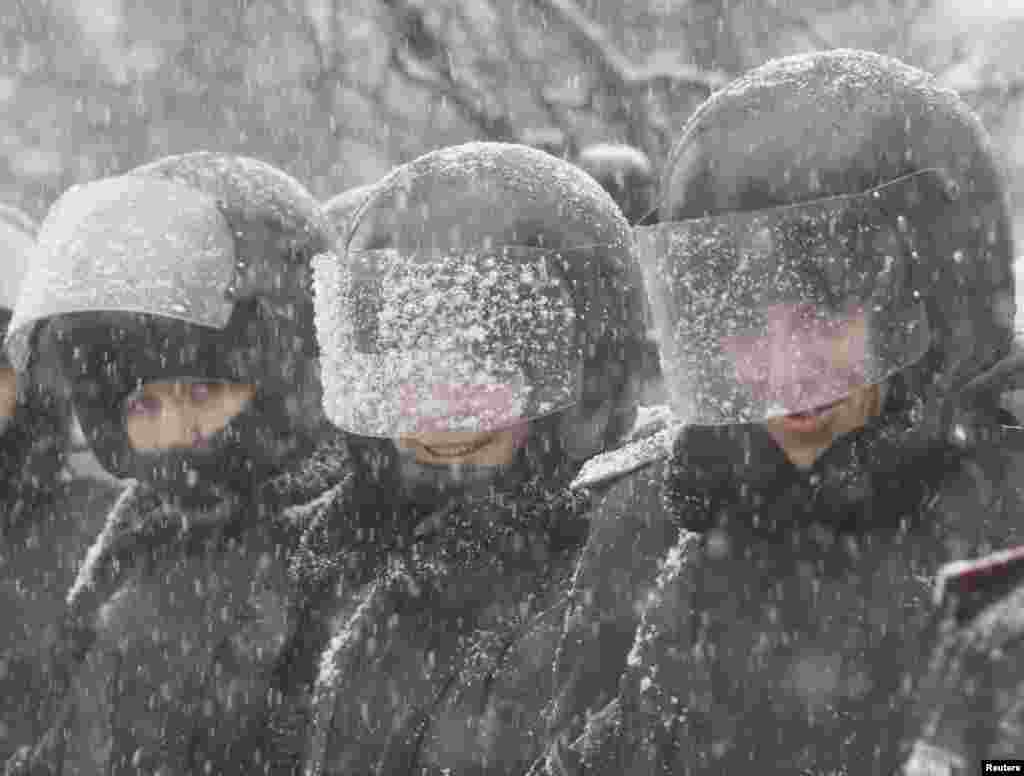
627, 85
277, 78
615, 87
800, 23
421, 56
618, 71
556, 113
469, 105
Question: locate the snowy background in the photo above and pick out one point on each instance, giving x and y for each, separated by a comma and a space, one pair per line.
337, 91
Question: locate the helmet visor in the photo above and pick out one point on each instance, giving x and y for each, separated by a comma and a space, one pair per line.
768, 313
471, 342
139, 245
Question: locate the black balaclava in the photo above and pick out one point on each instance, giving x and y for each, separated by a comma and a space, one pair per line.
106, 357
32, 453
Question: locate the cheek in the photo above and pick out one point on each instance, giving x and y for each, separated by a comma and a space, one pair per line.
859, 409
155, 431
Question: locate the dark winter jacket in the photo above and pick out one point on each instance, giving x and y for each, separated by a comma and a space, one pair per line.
734, 614
47, 522
164, 661
333, 631
437, 657
440, 661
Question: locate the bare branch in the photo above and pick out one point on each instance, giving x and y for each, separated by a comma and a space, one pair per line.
327, 59
801, 23
427, 64
465, 101
593, 42
1006, 90
377, 100
626, 83
552, 109
679, 74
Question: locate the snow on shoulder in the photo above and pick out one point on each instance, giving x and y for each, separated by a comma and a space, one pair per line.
650, 440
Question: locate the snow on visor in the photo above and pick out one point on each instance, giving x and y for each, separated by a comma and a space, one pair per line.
129, 244
767, 313
474, 342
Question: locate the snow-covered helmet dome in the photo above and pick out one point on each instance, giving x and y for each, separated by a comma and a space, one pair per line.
561, 323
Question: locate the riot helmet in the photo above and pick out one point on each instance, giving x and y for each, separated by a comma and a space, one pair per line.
831, 220
486, 288
190, 275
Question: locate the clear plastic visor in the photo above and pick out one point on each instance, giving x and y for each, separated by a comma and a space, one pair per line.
789, 310
471, 343
130, 244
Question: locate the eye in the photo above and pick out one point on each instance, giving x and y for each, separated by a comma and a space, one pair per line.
199, 392
138, 406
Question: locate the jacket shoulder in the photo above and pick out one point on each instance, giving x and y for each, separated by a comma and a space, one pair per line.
649, 442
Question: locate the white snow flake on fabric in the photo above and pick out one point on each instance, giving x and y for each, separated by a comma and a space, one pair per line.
672, 568
650, 440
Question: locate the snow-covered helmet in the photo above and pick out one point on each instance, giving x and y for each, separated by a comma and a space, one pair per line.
817, 184
626, 173
484, 262
192, 267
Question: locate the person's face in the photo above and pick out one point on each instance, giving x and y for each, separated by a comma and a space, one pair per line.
807, 361
435, 444
182, 414
8, 396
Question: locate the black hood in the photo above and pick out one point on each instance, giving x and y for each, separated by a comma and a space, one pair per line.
867, 480
32, 451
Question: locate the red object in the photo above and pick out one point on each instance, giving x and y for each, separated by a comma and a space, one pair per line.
972, 576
